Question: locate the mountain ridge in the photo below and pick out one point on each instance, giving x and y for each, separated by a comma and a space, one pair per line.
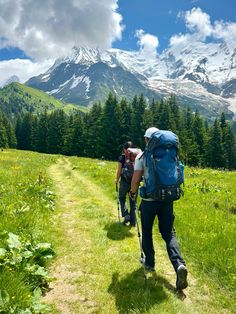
86, 75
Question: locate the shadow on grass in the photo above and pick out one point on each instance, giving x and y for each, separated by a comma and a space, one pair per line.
117, 231
178, 293
134, 294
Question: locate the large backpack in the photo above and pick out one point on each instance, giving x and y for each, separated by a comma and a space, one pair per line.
165, 171
128, 165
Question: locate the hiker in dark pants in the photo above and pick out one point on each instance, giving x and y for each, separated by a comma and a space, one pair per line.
124, 189
151, 208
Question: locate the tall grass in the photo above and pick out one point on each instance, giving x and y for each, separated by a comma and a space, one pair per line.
205, 218
206, 224
26, 205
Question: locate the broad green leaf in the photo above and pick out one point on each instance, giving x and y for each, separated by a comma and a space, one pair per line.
27, 254
41, 271
13, 241
2, 252
37, 294
27, 311
43, 246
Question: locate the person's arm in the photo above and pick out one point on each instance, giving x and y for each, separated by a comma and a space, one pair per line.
118, 173
137, 176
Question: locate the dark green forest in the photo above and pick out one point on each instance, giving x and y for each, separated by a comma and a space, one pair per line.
102, 131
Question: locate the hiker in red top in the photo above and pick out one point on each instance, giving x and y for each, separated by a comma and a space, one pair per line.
124, 176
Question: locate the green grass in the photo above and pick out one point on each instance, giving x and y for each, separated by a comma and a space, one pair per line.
206, 224
22, 98
205, 218
26, 206
101, 256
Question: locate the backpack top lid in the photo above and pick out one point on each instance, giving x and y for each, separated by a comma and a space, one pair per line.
162, 138
131, 154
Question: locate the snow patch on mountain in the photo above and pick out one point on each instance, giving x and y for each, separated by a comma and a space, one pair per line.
76, 81
203, 74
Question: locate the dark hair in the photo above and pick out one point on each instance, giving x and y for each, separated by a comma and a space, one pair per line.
128, 145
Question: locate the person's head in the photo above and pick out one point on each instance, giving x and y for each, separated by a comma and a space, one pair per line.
127, 145
149, 133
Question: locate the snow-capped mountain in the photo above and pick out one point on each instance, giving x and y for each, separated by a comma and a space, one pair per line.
203, 76
11, 79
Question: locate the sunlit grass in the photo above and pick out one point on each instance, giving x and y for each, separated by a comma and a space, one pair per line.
110, 252
26, 206
84, 229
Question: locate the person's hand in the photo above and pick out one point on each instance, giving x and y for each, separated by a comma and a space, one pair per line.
132, 195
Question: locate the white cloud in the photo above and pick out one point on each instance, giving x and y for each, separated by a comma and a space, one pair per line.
46, 29
24, 69
148, 43
225, 31
200, 28
198, 21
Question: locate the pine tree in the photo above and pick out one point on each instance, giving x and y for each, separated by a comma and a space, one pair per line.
24, 132
125, 121
11, 137
110, 124
166, 121
199, 138
77, 137
154, 110
178, 122
229, 148
3, 133
215, 156
93, 132
57, 125
18, 132
189, 148
41, 139
137, 121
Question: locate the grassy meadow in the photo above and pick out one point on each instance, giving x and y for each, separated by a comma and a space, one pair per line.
26, 206
70, 202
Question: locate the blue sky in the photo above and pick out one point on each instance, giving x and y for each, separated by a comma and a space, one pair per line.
160, 18
35, 32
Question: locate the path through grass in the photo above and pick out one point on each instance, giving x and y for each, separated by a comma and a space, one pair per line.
97, 268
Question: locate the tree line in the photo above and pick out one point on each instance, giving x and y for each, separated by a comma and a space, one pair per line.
102, 131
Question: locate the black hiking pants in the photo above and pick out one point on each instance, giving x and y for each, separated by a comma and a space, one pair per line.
164, 212
123, 191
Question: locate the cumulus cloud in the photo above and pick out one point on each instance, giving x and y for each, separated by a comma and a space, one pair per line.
225, 31
23, 68
199, 28
148, 43
46, 29
199, 22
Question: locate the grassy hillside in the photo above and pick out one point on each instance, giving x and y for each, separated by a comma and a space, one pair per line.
97, 266
16, 97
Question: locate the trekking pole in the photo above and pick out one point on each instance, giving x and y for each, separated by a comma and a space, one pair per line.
142, 258
118, 202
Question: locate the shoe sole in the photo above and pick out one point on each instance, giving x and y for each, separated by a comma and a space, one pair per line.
182, 279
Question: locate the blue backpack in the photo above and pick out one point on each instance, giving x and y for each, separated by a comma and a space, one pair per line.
165, 171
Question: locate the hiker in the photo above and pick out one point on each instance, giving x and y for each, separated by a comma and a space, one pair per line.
123, 176
150, 208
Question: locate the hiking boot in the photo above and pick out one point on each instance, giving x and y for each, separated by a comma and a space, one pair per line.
181, 282
148, 268
126, 219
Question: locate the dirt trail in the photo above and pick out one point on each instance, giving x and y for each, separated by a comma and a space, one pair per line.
65, 293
